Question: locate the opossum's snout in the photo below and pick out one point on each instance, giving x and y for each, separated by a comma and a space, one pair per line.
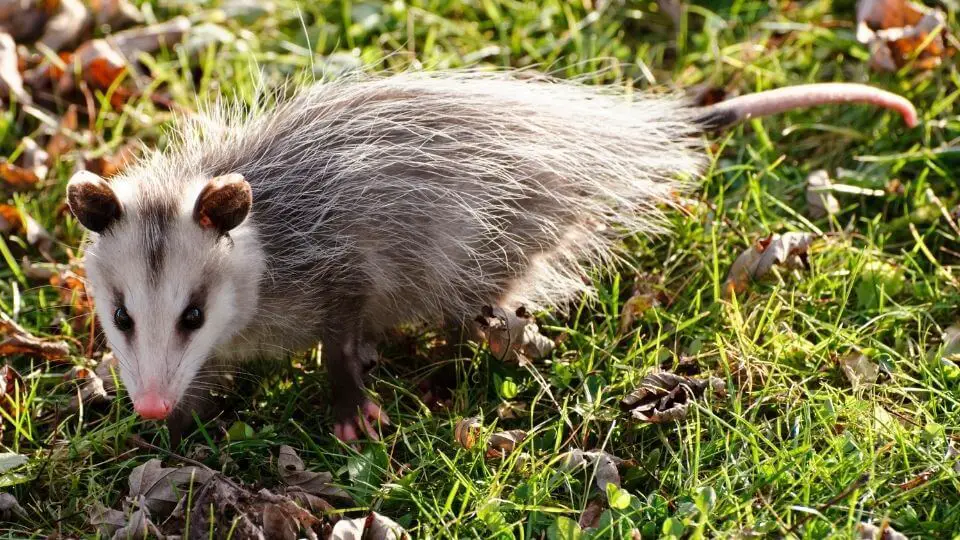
152, 405
173, 275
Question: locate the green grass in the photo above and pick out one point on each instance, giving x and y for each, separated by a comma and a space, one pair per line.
791, 450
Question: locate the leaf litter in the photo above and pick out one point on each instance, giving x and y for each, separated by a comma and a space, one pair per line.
789, 250
666, 397
162, 499
900, 31
512, 335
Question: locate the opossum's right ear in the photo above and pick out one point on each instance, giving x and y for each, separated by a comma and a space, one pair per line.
223, 203
92, 201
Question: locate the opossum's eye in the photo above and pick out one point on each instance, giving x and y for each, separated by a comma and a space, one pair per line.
192, 318
122, 319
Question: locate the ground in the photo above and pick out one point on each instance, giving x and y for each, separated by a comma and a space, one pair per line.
791, 448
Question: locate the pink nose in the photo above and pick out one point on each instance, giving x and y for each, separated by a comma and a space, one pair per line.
152, 406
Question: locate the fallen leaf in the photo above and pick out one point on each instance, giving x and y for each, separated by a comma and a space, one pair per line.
666, 397
106, 520
820, 201
514, 332
92, 390
18, 178
11, 82
110, 164
70, 281
511, 410
466, 432
34, 158
9, 506
11, 392
294, 474
788, 250
279, 524
645, 296
883, 532
18, 341
604, 464
159, 486
859, 369
118, 14
895, 30
373, 527
138, 527
12, 221
67, 26
590, 518
63, 141
504, 442
24, 19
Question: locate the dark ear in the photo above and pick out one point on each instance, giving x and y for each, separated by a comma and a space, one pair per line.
92, 201
223, 203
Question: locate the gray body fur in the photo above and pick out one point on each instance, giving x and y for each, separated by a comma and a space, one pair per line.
425, 197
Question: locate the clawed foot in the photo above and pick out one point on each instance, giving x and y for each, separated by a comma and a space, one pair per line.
364, 421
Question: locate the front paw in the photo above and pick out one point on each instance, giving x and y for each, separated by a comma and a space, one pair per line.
363, 419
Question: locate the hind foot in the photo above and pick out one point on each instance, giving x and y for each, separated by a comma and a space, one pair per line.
364, 421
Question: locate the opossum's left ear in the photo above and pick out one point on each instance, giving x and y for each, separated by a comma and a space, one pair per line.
223, 203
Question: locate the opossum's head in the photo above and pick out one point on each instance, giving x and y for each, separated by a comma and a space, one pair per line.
173, 273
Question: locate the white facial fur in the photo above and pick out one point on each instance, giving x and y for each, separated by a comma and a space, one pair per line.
157, 274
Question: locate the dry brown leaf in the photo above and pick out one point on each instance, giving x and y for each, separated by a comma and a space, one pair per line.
788, 250
294, 474
512, 335
71, 283
820, 201
106, 520
666, 397
11, 391
466, 432
278, 523
111, 164
883, 532
12, 221
34, 158
62, 141
511, 410
160, 487
16, 177
25, 19
118, 14
645, 295
138, 527
18, 340
373, 527
11, 82
604, 464
590, 519
92, 391
504, 442
859, 369
67, 26
895, 31
917, 480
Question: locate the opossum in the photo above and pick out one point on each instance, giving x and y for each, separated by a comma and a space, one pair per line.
371, 201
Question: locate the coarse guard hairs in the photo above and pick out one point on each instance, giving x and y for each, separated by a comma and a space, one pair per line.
444, 191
